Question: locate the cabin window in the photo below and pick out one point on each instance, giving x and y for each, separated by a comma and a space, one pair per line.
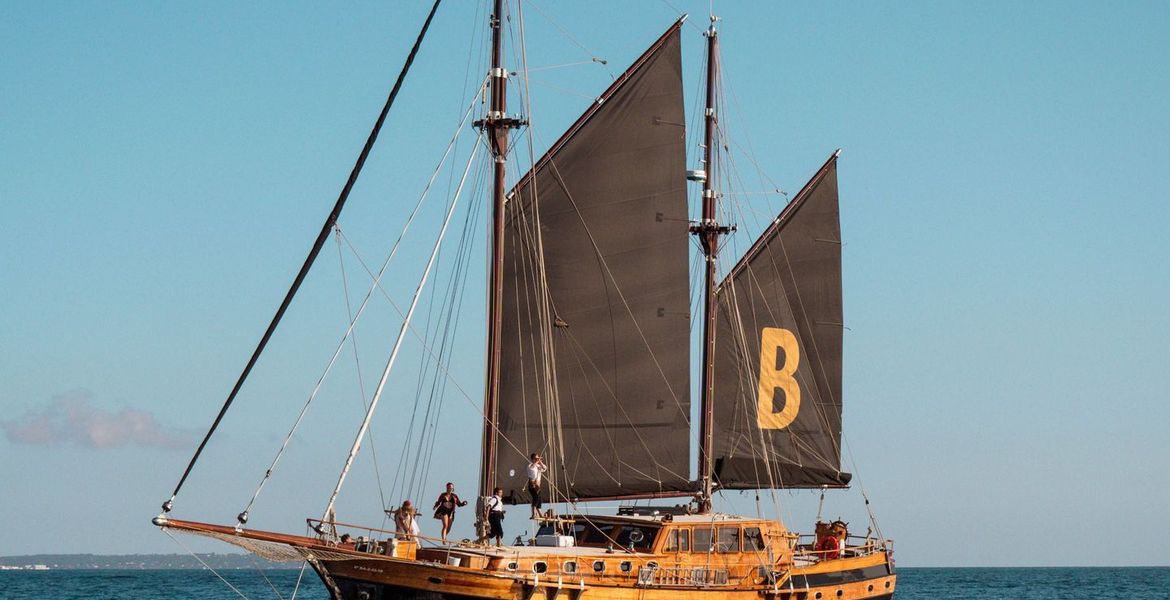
640, 538
539, 566
512, 566
599, 566
589, 534
678, 540
703, 538
728, 539
570, 566
626, 566
753, 539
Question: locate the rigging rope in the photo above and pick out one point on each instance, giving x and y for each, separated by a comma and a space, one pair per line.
205, 565
430, 351
361, 308
397, 346
256, 565
300, 575
316, 249
357, 361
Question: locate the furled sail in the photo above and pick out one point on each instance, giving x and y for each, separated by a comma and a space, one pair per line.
778, 350
606, 402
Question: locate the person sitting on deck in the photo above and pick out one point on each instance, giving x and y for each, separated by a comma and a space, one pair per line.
495, 515
831, 539
827, 546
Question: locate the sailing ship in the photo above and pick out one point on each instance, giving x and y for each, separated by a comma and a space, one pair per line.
589, 359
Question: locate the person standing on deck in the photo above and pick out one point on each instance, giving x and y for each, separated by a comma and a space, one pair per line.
445, 509
495, 515
536, 469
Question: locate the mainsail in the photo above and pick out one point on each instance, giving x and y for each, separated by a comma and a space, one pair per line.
595, 358
778, 350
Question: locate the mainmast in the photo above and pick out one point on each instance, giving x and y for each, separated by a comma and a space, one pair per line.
496, 123
708, 231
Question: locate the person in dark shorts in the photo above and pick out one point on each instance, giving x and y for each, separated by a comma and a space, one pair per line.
445, 508
495, 515
536, 469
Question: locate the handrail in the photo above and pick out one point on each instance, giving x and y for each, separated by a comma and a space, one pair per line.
399, 535
871, 546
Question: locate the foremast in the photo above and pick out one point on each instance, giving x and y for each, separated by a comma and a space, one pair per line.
708, 231
496, 125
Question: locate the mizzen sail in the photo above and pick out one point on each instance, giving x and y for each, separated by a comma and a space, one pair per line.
778, 350
595, 358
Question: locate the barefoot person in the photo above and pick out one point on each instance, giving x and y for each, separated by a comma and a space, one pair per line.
445, 509
536, 470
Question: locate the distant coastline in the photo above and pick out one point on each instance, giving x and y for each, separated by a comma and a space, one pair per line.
44, 562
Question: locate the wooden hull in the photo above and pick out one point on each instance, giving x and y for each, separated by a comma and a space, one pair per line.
351, 572
870, 577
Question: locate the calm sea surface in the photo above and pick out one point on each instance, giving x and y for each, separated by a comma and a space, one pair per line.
913, 584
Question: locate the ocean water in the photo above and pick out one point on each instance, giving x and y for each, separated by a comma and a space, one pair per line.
1142, 583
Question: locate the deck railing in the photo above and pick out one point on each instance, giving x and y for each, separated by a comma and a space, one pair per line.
855, 545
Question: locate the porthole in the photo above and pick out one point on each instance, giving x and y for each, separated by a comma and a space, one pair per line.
570, 566
870, 589
818, 596
512, 566
539, 567
887, 585
651, 565
840, 593
599, 566
626, 566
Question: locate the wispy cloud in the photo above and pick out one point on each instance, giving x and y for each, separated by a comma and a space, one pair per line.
72, 418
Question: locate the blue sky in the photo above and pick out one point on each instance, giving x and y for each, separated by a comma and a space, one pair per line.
1004, 206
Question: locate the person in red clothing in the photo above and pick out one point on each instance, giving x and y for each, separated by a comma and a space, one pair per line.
828, 547
445, 509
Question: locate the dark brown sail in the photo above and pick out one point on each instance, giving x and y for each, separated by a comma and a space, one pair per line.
778, 350
612, 297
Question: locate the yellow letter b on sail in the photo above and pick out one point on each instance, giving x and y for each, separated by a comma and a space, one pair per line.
775, 377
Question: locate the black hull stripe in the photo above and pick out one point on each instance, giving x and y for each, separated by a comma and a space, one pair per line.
840, 577
353, 589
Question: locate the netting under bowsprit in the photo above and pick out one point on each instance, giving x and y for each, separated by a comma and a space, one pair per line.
271, 551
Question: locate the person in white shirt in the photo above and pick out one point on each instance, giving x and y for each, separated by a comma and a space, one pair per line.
536, 469
495, 515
